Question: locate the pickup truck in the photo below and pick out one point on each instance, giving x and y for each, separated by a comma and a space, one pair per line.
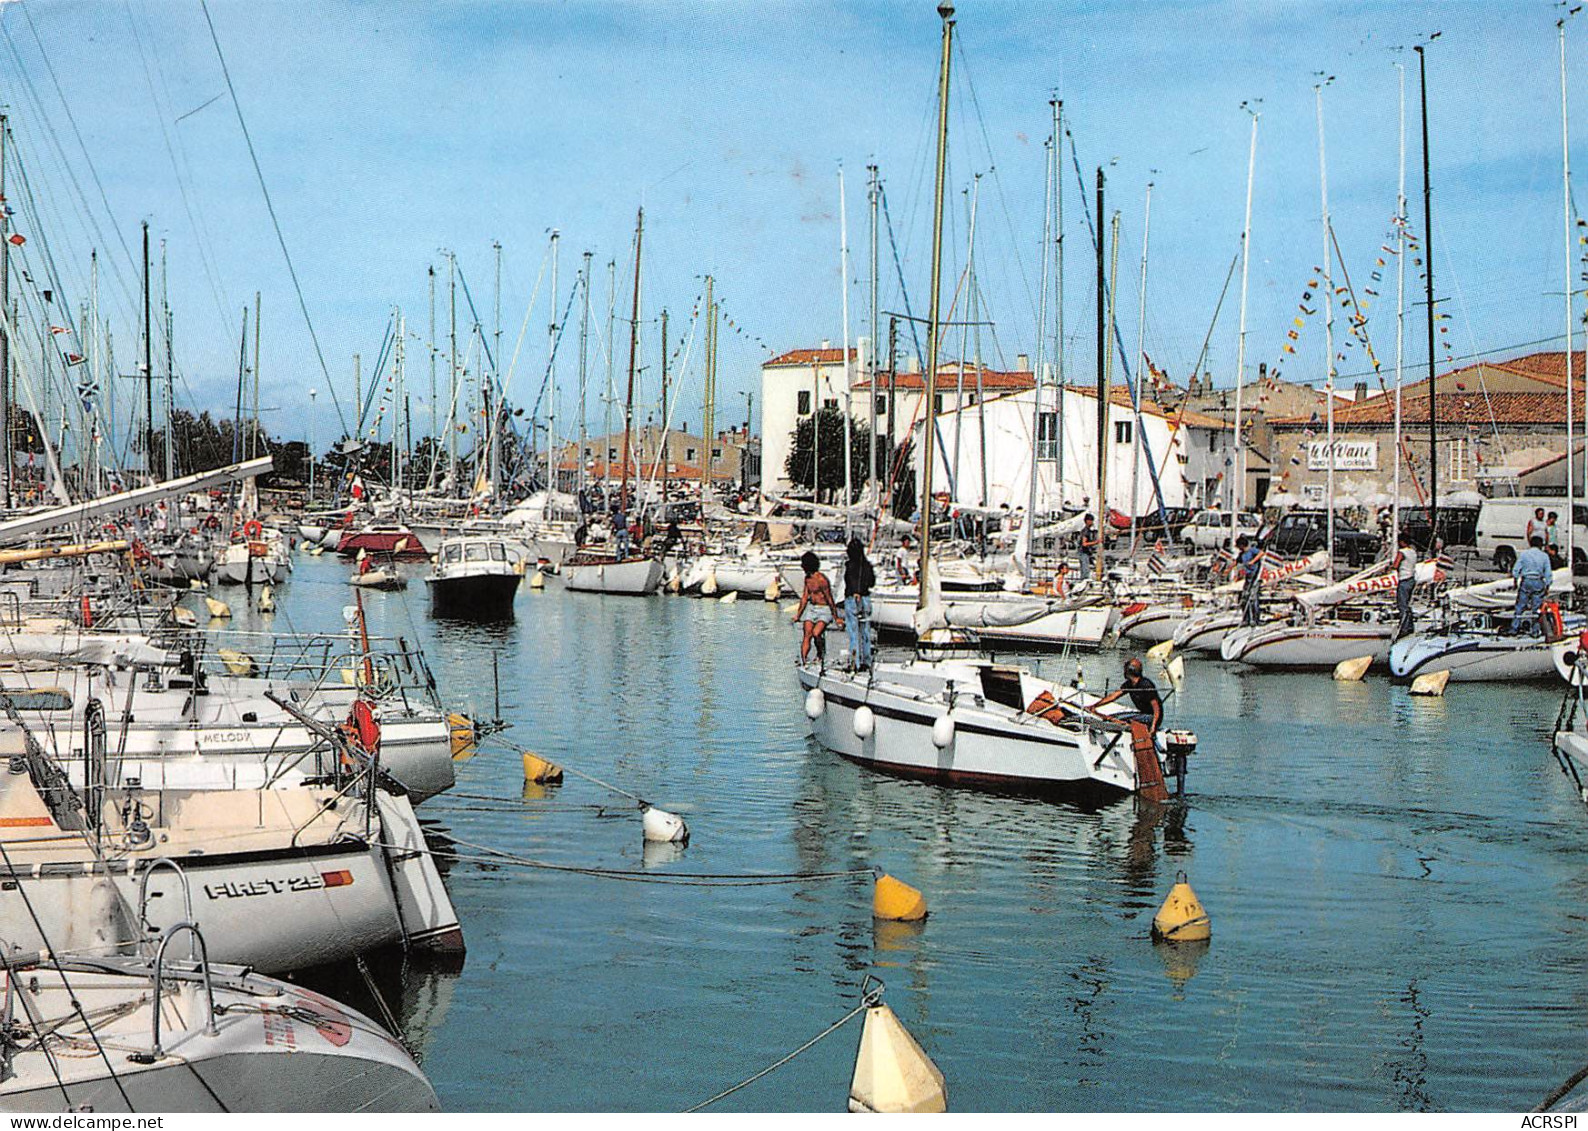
1305, 532
1210, 529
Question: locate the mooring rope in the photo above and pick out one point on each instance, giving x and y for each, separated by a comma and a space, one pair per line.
513, 746
870, 996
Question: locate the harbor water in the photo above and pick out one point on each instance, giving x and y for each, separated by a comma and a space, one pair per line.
1396, 887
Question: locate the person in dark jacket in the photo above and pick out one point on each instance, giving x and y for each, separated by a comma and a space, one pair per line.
859, 577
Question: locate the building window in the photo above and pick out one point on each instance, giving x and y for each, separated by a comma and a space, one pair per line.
831, 403
1122, 431
937, 403
804, 402
689, 455
612, 453
1460, 461
1048, 435
970, 399
716, 453
882, 405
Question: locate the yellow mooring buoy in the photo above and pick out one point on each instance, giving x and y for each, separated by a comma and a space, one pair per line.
1431, 683
460, 729
1160, 652
540, 771
220, 610
892, 1072
1349, 671
895, 899
537, 580
1182, 917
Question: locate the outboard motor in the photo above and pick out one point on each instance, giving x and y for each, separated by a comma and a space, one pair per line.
1178, 746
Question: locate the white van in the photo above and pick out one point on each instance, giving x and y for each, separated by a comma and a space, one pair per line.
1502, 528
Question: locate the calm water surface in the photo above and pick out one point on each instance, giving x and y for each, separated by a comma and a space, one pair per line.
1396, 887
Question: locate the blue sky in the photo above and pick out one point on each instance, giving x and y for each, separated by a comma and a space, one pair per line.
389, 131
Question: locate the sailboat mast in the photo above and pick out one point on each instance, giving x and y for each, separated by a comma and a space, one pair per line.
435, 432
1400, 305
634, 345
849, 410
1100, 503
1328, 326
1565, 172
871, 351
964, 329
496, 369
1058, 289
170, 374
584, 360
397, 400
662, 451
1428, 287
1238, 487
551, 368
612, 329
253, 435
1106, 405
1141, 371
945, 10
1042, 326
452, 374
5, 336
710, 407
148, 364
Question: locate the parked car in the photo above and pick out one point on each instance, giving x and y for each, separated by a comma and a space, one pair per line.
1210, 529
1305, 532
1502, 525
1458, 526
1153, 524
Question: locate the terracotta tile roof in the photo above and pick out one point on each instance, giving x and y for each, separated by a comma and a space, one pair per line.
833, 356
1120, 397
1454, 408
1549, 367
948, 380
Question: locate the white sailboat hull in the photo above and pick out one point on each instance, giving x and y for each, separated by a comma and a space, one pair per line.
1306, 646
1154, 624
638, 577
1473, 657
990, 747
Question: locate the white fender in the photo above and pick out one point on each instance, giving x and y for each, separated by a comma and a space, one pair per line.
865, 723
815, 704
943, 732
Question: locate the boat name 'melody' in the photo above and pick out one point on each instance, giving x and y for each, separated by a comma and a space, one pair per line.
235, 889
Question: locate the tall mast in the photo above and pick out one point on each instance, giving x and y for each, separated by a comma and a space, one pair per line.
666, 421
253, 435
634, 345
170, 373
1100, 502
871, 352
6, 331
1565, 172
981, 391
1042, 324
612, 349
435, 433
148, 365
452, 374
496, 368
1328, 325
1400, 302
946, 11
584, 359
1141, 372
710, 407
849, 410
1106, 405
1058, 287
551, 367
92, 345
1238, 487
1428, 286
397, 400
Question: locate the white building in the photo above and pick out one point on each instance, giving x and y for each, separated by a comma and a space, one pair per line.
1188, 450
793, 382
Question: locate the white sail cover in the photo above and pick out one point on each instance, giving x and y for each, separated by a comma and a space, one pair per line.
1282, 571
1374, 579
87, 648
1501, 594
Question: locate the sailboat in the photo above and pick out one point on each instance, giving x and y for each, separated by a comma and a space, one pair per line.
968, 720
595, 571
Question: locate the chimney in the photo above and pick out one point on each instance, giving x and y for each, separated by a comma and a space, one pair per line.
1023, 365
1361, 391
827, 344
862, 353
1262, 370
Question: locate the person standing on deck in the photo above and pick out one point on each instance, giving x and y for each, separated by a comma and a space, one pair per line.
1532, 573
1089, 545
1249, 568
1143, 694
620, 533
859, 577
1405, 563
1536, 525
1552, 538
816, 608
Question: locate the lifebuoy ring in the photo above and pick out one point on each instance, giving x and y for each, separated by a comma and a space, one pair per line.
1550, 620
253, 528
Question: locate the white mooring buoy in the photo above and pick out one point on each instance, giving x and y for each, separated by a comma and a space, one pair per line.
663, 827
892, 1072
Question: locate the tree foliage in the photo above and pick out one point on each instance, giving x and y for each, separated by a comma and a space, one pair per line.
800, 464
